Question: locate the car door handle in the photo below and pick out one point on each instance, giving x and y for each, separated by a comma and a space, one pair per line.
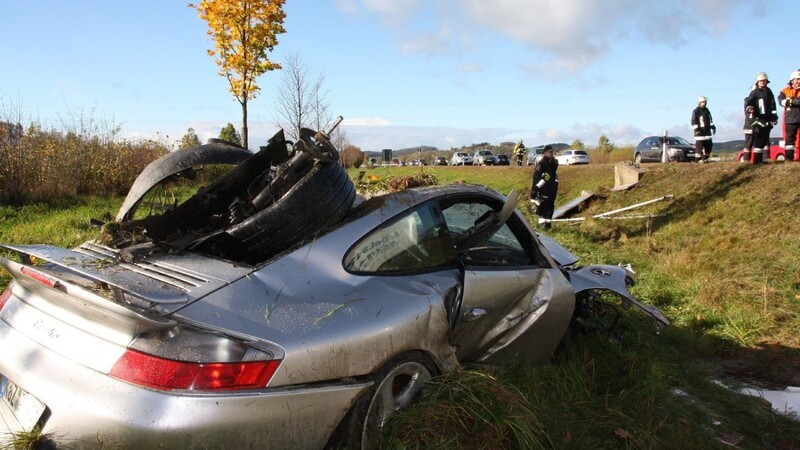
473, 314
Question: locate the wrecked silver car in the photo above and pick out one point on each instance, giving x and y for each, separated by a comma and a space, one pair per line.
212, 326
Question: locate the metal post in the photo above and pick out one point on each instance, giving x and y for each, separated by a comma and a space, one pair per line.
664, 155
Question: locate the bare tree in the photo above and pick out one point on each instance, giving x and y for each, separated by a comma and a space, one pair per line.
301, 99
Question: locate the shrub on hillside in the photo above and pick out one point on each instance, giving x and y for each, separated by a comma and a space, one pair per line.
37, 164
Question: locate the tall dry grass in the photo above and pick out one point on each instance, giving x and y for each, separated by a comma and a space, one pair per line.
84, 156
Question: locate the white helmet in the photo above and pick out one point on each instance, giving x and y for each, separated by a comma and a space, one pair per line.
762, 76
795, 75
702, 99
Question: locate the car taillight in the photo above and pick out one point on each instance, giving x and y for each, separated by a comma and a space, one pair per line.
166, 374
4, 297
191, 359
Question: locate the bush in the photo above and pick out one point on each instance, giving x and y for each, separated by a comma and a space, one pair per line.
36, 164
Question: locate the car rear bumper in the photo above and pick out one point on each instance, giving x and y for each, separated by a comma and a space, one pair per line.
87, 408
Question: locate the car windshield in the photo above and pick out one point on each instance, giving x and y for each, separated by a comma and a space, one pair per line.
676, 141
485, 152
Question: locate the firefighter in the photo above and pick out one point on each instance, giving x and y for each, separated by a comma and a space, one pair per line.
748, 133
789, 98
761, 104
703, 126
519, 151
544, 187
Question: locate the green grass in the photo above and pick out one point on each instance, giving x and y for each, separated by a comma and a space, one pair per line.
722, 261
719, 260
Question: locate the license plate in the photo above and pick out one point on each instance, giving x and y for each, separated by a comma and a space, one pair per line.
27, 408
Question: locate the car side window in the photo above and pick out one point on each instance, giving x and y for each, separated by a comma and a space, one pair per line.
503, 248
412, 242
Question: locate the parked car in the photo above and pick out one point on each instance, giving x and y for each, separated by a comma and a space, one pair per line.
777, 152
163, 340
440, 161
502, 160
570, 157
537, 152
534, 154
423, 162
461, 159
650, 149
484, 158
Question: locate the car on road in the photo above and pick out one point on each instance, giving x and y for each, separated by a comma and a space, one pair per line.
650, 149
534, 154
440, 161
502, 160
461, 159
177, 329
777, 152
537, 152
570, 157
484, 158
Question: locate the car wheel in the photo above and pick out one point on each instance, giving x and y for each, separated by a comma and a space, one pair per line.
396, 385
637, 159
322, 197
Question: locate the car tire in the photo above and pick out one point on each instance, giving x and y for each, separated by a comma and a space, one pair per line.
400, 382
321, 198
637, 159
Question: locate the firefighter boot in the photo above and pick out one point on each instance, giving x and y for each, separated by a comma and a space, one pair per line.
745, 156
758, 156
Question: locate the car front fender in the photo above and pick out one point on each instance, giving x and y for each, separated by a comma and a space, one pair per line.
615, 279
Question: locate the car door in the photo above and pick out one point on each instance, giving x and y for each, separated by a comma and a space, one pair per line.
654, 149
513, 301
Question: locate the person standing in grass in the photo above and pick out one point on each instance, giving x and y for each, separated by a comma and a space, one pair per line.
544, 187
703, 127
789, 98
761, 104
519, 152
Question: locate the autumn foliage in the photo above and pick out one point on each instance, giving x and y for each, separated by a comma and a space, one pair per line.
243, 31
40, 165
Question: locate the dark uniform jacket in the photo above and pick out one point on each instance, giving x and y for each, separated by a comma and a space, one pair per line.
546, 169
791, 113
702, 123
763, 102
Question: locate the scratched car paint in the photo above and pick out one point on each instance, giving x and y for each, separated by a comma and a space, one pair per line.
148, 345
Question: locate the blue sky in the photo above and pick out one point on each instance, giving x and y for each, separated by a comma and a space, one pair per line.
404, 73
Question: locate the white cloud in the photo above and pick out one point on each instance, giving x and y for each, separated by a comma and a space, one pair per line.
573, 33
366, 121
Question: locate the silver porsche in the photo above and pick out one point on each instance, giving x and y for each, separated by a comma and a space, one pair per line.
189, 340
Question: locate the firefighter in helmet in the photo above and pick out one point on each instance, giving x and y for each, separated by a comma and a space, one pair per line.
519, 152
761, 105
544, 186
789, 98
703, 127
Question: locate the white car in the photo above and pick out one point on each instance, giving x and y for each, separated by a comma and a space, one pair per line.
570, 157
461, 159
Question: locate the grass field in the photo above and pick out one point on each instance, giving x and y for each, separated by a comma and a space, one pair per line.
721, 258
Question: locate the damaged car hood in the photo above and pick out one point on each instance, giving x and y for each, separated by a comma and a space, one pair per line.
609, 278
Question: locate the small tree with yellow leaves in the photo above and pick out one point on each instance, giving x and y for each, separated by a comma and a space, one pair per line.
244, 31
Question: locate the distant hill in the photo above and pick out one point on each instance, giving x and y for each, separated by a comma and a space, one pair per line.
728, 146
